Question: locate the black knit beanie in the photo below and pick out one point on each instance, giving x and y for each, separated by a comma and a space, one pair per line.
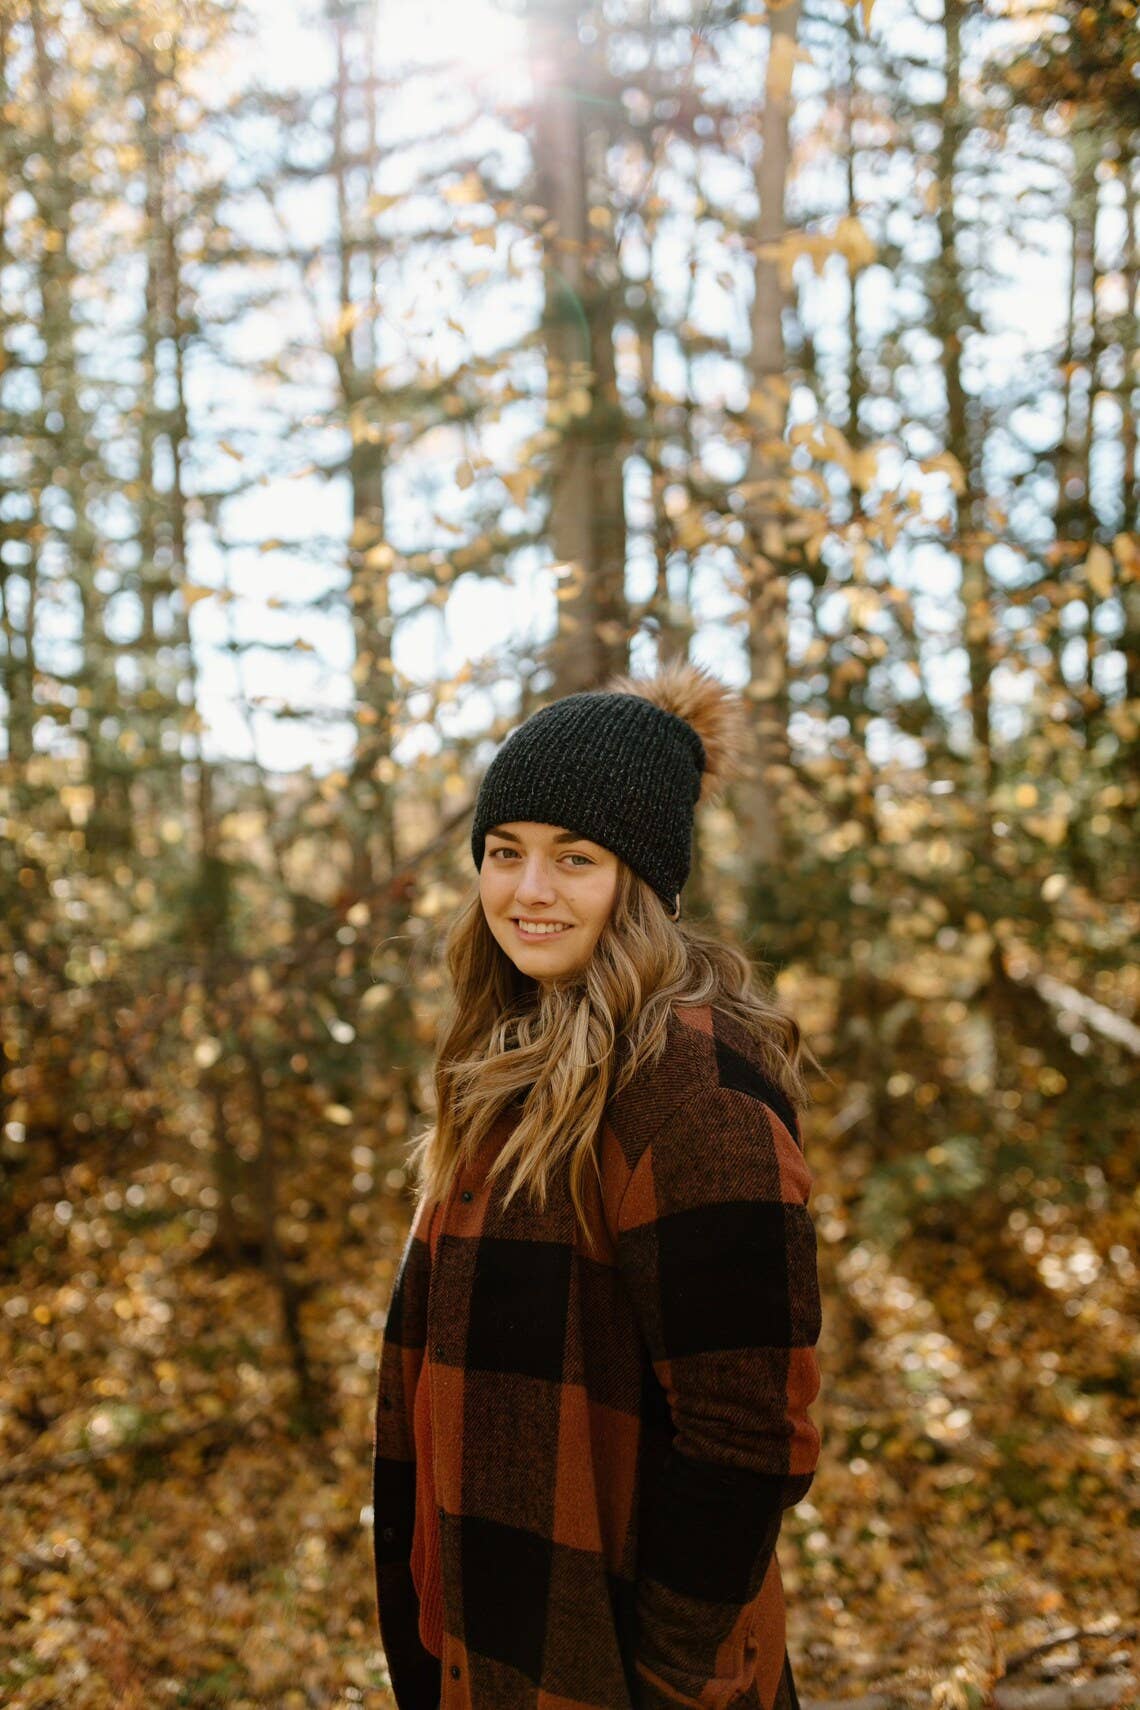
624, 766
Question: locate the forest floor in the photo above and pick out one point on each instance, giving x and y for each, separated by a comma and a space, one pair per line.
169, 1541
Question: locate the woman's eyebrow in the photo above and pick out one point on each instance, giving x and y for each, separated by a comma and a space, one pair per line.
563, 836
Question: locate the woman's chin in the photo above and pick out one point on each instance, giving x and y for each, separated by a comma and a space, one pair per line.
543, 968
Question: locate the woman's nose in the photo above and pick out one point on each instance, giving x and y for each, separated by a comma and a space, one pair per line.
534, 880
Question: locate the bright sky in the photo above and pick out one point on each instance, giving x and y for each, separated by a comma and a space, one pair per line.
484, 44
487, 43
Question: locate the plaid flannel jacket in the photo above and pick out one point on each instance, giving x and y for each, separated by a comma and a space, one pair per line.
616, 1436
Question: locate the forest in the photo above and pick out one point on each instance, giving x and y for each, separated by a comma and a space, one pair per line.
373, 372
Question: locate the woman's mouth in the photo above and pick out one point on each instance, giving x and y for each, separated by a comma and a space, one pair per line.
538, 932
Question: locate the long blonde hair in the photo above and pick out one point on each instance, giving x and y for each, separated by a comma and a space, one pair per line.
561, 1049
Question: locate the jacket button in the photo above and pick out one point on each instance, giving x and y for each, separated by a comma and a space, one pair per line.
455, 1671
440, 1511
388, 1534
439, 1350
386, 1402
465, 1196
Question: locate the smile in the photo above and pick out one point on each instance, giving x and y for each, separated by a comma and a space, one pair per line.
543, 929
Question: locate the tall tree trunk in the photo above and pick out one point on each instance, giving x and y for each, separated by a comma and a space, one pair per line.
1082, 515
766, 567
1130, 474
18, 663
951, 314
1129, 513
154, 704
108, 828
864, 997
370, 823
587, 510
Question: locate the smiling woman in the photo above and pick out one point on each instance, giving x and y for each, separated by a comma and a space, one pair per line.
594, 1390
547, 893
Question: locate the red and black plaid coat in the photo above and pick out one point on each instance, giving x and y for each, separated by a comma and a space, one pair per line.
616, 1437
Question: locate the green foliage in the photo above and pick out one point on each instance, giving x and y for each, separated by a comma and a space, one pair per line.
952, 1171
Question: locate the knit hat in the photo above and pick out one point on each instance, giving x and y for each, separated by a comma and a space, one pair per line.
625, 766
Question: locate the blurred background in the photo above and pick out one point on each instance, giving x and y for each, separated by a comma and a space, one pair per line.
372, 373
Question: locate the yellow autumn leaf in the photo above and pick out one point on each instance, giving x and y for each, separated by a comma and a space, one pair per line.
1127, 550
1051, 828
829, 441
518, 483
346, 320
946, 464
853, 242
78, 800
863, 605
865, 467
468, 190
1098, 571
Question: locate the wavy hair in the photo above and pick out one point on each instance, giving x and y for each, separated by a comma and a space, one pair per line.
563, 1048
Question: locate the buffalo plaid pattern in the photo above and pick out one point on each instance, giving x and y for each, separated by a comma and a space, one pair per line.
616, 1434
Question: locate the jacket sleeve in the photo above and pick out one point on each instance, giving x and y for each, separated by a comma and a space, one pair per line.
414, 1672
718, 1252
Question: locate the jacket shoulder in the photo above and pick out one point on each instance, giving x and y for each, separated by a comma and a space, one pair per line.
738, 1064
706, 1048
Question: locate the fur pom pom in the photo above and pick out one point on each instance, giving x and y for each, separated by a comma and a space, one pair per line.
716, 713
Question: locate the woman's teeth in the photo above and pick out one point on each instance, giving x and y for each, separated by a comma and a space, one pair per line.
543, 931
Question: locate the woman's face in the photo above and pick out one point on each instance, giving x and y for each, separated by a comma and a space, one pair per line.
546, 877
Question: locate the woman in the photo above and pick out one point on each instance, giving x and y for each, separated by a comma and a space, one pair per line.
598, 1358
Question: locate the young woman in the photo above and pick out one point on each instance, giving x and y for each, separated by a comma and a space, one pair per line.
598, 1361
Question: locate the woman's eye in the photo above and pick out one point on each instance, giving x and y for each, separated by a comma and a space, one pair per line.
573, 855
